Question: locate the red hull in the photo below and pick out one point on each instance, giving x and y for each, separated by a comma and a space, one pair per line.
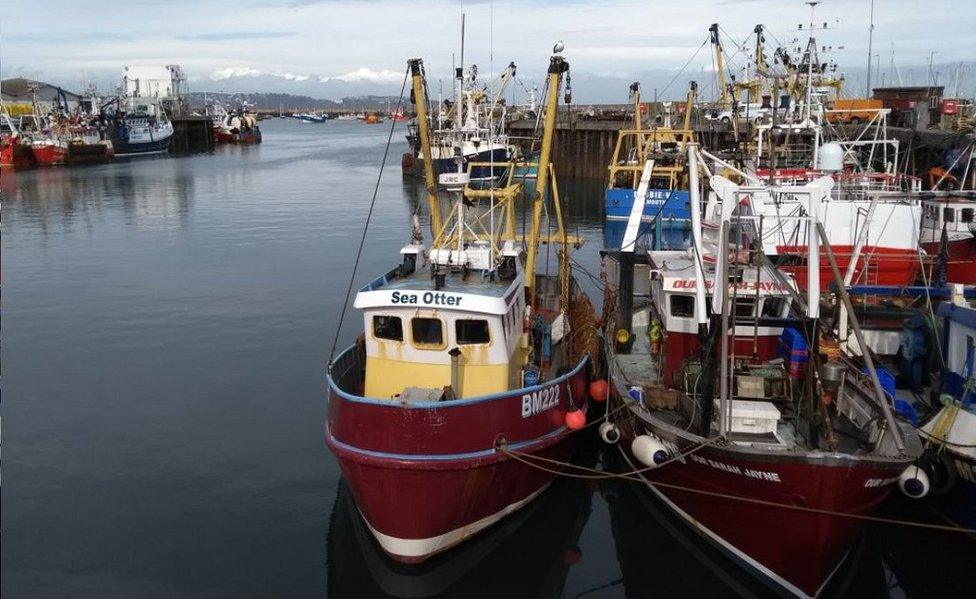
50, 155
797, 551
885, 266
16, 155
226, 137
428, 476
961, 266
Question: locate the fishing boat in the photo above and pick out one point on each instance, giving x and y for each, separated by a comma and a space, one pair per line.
85, 142
138, 127
650, 161
49, 149
237, 127
15, 150
766, 461
308, 117
468, 353
473, 129
872, 215
47, 146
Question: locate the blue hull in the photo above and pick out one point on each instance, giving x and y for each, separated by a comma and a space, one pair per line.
123, 147
676, 204
674, 234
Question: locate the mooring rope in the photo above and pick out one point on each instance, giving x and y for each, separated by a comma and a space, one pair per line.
369, 216
596, 474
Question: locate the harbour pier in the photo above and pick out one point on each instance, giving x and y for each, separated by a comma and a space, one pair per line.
192, 134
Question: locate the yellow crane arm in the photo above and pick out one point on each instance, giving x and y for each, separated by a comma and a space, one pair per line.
557, 66
419, 96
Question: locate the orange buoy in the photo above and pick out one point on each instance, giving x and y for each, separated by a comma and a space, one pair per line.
575, 419
598, 390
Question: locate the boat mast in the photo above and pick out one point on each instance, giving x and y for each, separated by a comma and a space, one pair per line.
423, 130
557, 66
689, 104
635, 95
723, 88
459, 78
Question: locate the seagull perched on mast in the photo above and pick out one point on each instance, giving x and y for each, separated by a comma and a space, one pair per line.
559, 47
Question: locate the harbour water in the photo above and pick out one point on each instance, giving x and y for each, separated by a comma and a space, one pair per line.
167, 325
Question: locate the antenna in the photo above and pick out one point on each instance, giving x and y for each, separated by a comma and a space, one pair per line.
870, 41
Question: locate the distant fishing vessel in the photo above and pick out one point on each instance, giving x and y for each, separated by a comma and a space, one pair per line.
47, 146
308, 117
467, 352
49, 151
473, 129
137, 126
235, 127
15, 150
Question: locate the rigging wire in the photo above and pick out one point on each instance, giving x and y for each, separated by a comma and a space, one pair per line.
682, 70
369, 216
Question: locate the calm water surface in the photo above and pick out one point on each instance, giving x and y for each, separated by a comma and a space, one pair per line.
167, 321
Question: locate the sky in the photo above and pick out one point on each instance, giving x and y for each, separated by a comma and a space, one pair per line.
333, 48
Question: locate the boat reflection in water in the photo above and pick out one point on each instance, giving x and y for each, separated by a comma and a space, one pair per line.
527, 554
660, 556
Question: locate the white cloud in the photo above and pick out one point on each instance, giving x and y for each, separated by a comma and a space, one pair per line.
367, 74
230, 72
291, 76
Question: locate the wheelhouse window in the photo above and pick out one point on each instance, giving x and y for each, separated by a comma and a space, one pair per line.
388, 327
967, 215
949, 214
427, 332
682, 306
471, 332
773, 307
745, 307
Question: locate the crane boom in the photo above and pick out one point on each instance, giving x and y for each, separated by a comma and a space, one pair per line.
419, 96
723, 87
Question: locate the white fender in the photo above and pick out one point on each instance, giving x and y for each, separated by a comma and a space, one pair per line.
914, 482
649, 450
609, 433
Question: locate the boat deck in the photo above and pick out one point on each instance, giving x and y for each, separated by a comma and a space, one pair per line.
639, 366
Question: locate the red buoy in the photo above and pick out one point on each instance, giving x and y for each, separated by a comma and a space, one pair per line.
572, 555
575, 419
598, 390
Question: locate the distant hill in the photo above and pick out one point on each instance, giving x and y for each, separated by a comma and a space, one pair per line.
289, 102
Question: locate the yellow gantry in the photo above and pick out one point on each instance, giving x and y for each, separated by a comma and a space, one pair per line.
557, 66
423, 130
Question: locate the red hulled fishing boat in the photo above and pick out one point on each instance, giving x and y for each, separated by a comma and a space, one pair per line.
49, 152
771, 460
15, 150
467, 353
951, 214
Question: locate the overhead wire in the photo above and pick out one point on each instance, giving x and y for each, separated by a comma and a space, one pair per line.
369, 216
